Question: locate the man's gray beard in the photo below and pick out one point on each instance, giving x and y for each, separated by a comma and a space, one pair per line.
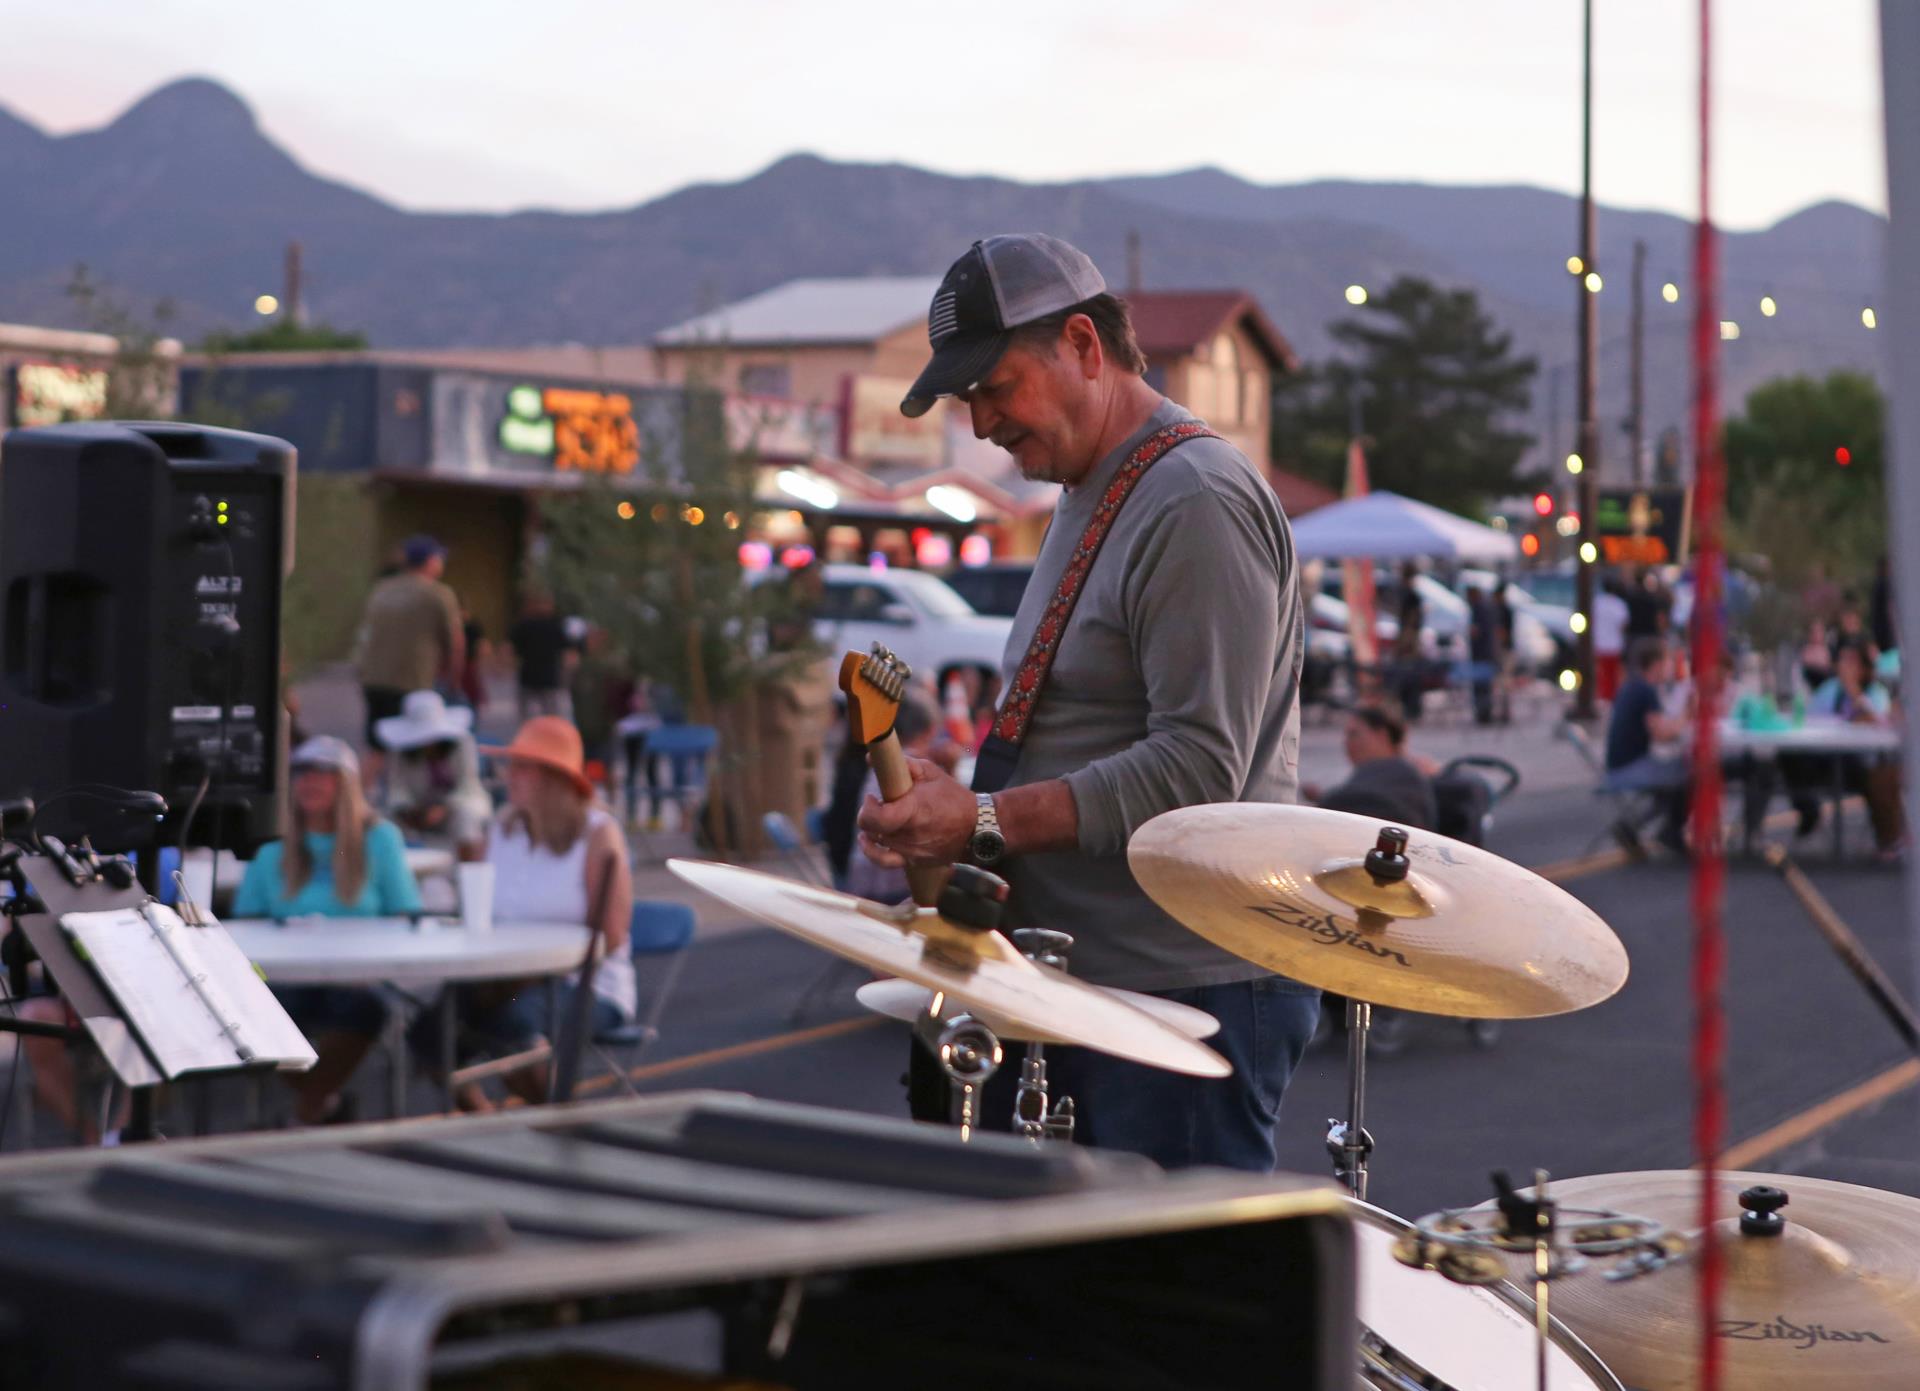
1046, 473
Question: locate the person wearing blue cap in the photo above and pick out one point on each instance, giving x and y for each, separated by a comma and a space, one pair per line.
411, 639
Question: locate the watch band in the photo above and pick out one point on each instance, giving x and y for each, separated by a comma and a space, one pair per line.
986, 816
986, 829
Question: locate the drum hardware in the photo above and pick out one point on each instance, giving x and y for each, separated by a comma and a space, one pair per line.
1421, 1334
1531, 1238
1348, 1142
1033, 1116
969, 1053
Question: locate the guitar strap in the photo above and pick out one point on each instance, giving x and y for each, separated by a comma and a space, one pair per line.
1000, 752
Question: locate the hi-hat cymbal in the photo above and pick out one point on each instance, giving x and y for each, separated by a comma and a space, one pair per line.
982, 971
902, 999
1831, 1302
1465, 933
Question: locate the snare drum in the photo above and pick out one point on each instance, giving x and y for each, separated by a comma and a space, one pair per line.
1419, 1331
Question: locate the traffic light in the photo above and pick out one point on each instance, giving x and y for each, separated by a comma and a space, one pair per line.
1543, 504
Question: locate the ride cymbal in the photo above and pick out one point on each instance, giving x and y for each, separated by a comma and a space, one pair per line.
1830, 1300
982, 971
1464, 932
903, 999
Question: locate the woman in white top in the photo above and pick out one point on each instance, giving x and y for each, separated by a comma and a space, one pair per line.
558, 857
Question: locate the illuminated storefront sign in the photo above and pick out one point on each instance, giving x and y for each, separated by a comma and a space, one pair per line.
1643, 526
580, 431
47, 394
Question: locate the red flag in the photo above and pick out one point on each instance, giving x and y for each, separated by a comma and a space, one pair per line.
1356, 576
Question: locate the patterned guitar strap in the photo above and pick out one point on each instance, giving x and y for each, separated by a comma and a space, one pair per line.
993, 768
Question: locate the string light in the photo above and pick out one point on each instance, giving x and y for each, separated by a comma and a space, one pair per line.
1575, 265
1867, 318
1593, 282
1767, 307
1575, 463
1670, 292
1356, 295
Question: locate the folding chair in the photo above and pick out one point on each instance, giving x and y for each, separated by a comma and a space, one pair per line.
1632, 809
659, 928
689, 747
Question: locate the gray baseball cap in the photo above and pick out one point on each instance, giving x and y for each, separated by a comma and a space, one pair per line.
1001, 283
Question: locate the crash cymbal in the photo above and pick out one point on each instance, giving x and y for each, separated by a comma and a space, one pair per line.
1463, 933
1831, 1302
982, 972
902, 999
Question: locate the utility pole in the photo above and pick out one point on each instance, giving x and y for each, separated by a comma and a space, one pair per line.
290, 301
1637, 409
1589, 447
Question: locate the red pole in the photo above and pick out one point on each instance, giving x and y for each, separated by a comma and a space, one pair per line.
1709, 870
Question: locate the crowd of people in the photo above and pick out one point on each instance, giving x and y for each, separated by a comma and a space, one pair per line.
1845, 670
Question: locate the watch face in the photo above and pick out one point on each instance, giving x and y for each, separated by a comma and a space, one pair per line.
987, 846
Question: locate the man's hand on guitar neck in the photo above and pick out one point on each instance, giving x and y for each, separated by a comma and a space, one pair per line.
933, 823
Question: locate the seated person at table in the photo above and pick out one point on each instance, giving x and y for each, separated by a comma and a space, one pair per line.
1385, 782
434, 791
1852, 696
558, 857
1637, 723
339, 860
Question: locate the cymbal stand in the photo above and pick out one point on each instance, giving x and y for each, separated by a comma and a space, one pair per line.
1348, 1142
969, 1053
1033, 1115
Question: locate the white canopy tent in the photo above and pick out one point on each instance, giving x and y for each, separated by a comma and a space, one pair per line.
1386, 526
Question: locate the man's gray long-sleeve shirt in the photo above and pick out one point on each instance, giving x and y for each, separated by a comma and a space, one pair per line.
1177, 682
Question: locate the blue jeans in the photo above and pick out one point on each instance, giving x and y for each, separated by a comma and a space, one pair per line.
1175, 1120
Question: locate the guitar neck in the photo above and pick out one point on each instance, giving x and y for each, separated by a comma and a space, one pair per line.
889, 764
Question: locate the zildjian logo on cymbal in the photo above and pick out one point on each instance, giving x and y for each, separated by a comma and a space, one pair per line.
1801, 1335
1331, 931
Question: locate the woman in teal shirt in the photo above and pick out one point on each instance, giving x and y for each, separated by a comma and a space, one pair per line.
341, 861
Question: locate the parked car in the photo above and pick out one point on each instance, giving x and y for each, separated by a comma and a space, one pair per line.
917, 615
993, 589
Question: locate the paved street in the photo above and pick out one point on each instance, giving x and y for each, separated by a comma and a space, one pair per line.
1603, 1090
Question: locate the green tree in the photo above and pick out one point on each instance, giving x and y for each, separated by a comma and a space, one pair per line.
140, 379
1436, 383
658, 567
285, 336
1806, 472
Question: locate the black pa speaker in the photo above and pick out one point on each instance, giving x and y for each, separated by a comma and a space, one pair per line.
141, 567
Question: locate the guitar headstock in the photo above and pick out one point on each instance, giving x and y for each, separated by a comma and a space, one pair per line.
874, 686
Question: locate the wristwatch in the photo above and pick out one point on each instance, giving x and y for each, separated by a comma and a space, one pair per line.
987, 845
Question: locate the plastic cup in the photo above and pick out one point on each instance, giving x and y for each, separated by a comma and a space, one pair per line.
476, 897
196, 871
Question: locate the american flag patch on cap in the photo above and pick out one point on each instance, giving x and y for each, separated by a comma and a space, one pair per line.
943, 319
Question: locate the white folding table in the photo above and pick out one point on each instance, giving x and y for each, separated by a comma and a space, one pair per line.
404, 953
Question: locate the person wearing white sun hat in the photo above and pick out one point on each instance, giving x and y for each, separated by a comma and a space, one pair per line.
434, 792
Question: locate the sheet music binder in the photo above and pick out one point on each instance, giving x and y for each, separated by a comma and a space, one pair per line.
191, 996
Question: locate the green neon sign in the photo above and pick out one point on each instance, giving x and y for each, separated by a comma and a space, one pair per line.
526, 428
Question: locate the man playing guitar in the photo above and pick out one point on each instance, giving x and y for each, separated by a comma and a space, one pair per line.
1154, 664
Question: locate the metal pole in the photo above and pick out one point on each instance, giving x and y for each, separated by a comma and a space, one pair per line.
1900, 331
1589, 436
1637, 408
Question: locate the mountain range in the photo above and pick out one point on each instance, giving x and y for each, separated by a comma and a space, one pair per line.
184, 196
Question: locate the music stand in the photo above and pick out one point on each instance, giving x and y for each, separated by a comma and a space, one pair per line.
101, 1018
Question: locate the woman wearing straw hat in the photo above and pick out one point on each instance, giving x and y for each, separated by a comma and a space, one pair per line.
558, 856
433, 786
338, 860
